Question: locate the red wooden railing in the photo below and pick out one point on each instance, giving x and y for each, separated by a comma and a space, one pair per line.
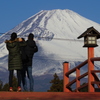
91, 74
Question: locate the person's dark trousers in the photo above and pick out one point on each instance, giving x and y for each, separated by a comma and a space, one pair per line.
24, 81
19, 77
27, 70
11, 77
31, 80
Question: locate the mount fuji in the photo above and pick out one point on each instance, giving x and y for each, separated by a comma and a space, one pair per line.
56, 33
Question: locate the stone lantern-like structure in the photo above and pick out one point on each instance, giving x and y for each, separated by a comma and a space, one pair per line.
90, 37
90, 41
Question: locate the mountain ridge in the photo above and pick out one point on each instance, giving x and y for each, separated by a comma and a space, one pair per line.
56, 33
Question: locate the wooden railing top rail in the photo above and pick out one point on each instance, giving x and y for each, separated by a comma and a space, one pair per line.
81, 65
95, 71
77, 67
95, 82
95, 59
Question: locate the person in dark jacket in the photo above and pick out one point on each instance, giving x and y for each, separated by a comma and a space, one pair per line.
23, 54
24, 58
30, 49
14, 59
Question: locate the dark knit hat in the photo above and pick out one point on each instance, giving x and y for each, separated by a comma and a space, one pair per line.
31, 36
13, 36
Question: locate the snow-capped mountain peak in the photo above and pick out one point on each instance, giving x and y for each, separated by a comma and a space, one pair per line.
56, 33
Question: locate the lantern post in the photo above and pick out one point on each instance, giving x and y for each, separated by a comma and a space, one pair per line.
90, 41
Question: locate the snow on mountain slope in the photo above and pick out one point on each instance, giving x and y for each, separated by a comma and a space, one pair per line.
56, 33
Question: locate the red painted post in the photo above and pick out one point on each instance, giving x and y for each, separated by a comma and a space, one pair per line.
90, 68
77, 80
65, 78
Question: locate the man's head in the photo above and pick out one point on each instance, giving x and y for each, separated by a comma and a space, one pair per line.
31, 36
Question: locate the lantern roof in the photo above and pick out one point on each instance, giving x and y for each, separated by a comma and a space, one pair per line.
90, 32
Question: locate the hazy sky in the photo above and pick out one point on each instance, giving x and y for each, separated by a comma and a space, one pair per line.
13, 12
